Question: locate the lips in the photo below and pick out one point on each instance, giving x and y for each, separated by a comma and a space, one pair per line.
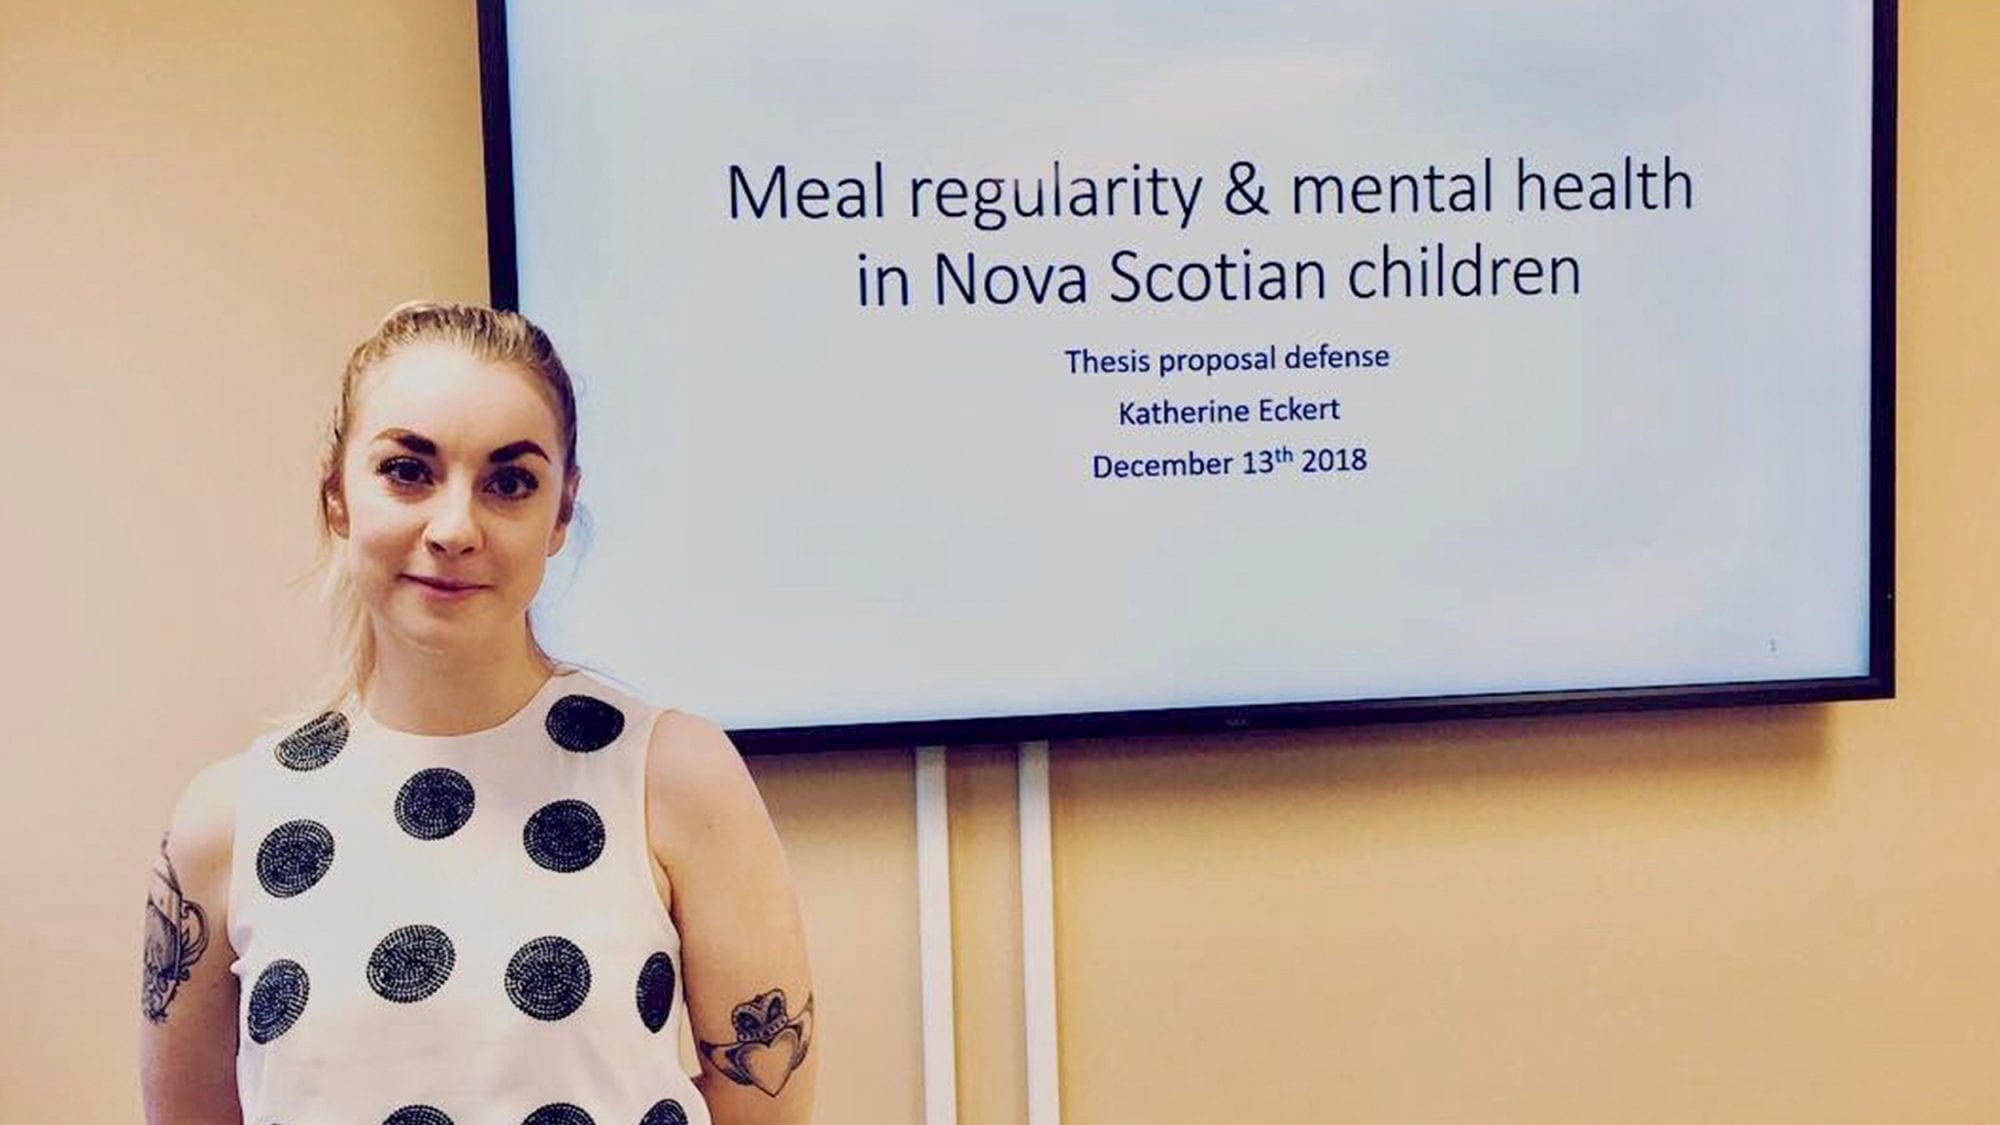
447, 585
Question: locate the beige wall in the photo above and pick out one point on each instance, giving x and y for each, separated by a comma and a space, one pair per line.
1771, 916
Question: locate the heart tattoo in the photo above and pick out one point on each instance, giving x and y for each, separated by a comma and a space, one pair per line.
770, 1043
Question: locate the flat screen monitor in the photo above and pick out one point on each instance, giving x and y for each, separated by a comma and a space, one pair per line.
977, 371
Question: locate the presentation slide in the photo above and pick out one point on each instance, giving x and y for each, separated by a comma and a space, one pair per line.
962, 360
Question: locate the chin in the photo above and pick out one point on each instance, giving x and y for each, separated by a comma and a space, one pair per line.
441, 633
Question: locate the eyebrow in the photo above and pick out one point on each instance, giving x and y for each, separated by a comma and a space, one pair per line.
415, 443
425, 447
514, 450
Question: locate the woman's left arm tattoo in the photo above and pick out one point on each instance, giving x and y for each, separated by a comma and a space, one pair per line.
770, 1042
176, 937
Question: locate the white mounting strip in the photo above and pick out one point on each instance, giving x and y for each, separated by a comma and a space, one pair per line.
934, 938
1038, 938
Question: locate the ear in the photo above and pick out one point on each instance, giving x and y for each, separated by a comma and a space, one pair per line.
565, 512
335, 507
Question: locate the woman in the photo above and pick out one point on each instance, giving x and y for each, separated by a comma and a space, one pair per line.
480, 886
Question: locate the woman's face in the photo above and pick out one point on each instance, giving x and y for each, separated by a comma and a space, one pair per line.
449, 498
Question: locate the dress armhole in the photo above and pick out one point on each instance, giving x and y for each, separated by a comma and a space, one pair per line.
644, 786
244, 764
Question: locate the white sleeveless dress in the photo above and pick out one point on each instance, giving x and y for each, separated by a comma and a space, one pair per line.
457, 930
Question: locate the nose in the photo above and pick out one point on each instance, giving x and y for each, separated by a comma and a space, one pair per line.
454, 524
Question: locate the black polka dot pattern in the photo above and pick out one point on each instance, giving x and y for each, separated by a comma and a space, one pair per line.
666, 1111
564, 836
584, 724
418, 1115
656, 991
548, 978
434, 803
314, 744
411, 963
277, 1000
559, 1113
294, 856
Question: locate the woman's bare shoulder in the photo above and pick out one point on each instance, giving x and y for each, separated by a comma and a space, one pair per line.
683, 743
202, 833
699, 790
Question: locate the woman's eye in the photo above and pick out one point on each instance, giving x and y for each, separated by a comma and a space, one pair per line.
404, 470
513, 484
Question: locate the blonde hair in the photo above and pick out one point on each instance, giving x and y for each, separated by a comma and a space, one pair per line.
495, 336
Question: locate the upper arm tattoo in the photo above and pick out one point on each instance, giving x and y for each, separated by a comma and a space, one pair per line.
770, 1043
176, 937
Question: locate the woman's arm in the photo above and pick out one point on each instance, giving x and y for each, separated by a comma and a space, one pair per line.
743, 955
187, 995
